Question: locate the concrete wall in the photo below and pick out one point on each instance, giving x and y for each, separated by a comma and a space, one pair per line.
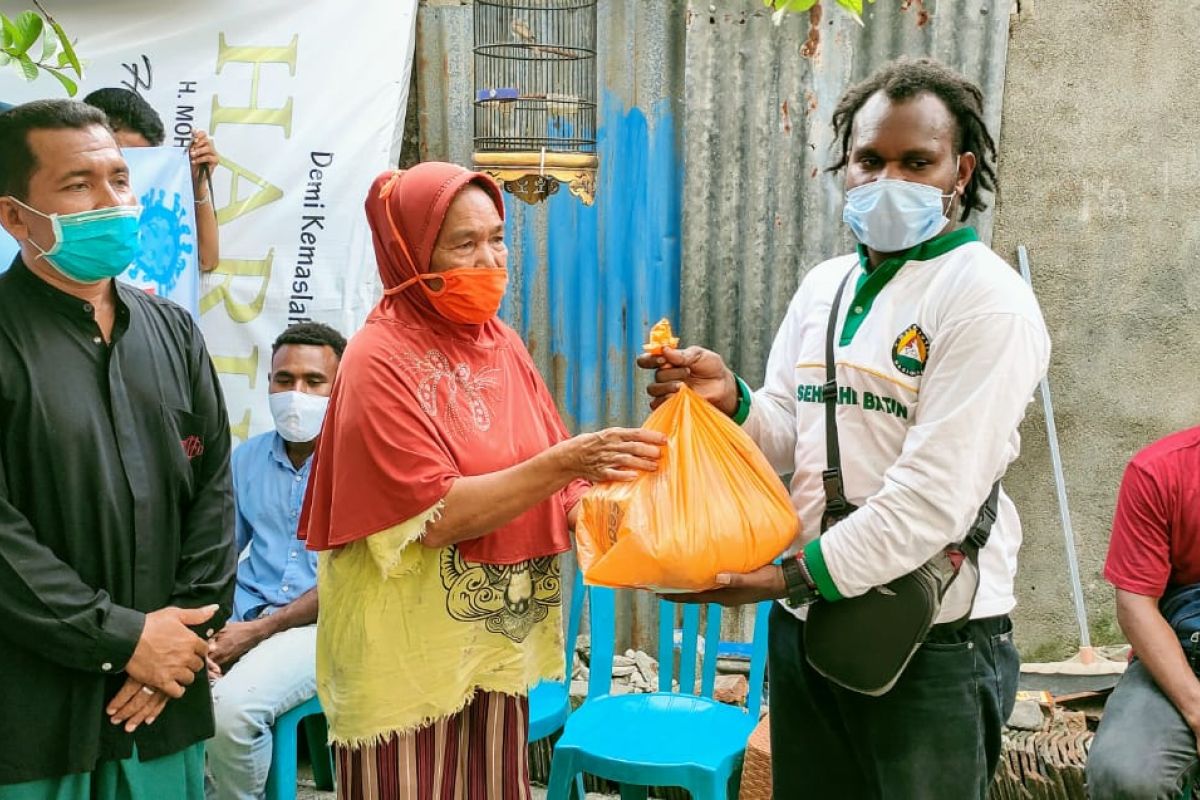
1100, 176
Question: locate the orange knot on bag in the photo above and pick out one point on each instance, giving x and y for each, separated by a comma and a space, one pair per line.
661, 338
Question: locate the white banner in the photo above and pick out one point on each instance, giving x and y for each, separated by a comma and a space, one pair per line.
304, 102
167, 263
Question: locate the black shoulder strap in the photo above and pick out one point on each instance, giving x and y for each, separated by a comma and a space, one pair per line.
836, 504
981, 529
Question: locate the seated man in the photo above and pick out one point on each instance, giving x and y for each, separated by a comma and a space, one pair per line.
136, 124
264, 660
1146, 744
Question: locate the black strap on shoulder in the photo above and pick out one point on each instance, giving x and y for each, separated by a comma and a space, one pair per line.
981, 529
974, 541
836, 504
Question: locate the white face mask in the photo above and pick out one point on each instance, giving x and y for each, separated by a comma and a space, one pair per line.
298, 415
890, 216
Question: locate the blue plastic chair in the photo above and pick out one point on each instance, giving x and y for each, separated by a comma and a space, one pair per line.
281, 780
667, 738
550, 701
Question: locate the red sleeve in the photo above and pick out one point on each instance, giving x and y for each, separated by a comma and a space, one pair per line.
574, 493
1139, 553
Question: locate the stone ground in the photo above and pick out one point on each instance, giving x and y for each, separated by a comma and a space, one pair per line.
305, 789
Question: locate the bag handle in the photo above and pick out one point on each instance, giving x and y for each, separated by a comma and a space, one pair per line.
836, 504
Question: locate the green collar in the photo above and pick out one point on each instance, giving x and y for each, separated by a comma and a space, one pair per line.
926, 250
870, 284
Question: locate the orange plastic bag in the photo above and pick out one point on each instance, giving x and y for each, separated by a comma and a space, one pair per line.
714, 505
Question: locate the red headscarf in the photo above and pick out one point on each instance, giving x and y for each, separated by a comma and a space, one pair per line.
420, 401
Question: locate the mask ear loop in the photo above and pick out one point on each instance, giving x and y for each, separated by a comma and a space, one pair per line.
395, 290
56, 226
955, 193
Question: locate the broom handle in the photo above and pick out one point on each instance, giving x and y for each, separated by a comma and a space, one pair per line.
1060, 484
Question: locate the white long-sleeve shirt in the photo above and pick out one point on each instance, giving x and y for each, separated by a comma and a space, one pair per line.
937, 358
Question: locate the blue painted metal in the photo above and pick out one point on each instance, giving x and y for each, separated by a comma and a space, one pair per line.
590, 281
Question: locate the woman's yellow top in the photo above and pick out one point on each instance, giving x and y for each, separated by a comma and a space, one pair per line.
406, 634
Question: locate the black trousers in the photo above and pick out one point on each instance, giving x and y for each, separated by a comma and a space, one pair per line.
934, 736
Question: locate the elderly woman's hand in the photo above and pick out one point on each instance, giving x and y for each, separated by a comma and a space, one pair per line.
614, 454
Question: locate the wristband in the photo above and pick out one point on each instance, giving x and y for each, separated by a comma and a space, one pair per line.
743, 405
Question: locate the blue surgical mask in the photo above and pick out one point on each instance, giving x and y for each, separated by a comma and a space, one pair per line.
889, 216
91, 246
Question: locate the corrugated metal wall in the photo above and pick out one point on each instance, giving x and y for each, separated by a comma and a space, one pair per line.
759, 208
713, 136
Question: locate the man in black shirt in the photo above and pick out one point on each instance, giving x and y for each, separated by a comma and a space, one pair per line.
116, 514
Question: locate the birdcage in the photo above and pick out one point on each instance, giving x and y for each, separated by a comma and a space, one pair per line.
535, 95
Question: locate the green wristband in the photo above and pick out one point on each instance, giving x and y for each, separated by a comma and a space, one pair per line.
814, 559
743, 405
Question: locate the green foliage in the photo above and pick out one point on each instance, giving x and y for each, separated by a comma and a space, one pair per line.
783, 7
19, 35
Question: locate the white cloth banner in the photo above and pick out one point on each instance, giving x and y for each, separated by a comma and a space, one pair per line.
167, 263
304, 102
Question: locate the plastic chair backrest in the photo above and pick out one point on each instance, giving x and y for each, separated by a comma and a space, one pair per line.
688, 648
574, 615
602, 620
601, 624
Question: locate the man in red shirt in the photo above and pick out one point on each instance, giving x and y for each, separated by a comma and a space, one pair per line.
1146, 744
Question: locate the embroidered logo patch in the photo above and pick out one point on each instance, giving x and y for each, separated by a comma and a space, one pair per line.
192, 446
911, 350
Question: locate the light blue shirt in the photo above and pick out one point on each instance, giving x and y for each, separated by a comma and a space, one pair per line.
269, 492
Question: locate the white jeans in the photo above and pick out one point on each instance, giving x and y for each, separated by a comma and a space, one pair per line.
271, 679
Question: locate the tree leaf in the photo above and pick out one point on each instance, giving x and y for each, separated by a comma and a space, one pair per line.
785, 7
5, 59
29, 27
68, 84
28, 67
49, 46
10, 31
68, 50
854, 8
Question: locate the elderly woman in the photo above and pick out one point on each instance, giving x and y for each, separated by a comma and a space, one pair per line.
442, 492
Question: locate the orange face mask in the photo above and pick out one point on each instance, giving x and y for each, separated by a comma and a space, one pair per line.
468, 295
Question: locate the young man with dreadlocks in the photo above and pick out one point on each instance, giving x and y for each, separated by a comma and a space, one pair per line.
938, 346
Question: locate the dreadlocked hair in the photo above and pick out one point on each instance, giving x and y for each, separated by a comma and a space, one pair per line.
906, 78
